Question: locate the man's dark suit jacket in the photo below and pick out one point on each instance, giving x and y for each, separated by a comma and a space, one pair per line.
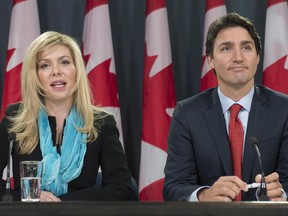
199, 150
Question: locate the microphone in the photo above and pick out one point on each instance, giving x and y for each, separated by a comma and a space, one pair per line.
8, 197
262, 192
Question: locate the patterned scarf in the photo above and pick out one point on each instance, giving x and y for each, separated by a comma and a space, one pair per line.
59, 170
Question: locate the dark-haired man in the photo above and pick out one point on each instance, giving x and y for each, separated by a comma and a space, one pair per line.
210, 157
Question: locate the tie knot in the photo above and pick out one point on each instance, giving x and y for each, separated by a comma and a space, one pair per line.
234, 110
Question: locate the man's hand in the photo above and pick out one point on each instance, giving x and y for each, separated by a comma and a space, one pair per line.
274, 187
48, 197
225, 189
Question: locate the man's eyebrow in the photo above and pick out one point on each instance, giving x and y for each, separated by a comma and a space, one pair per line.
225, 43
247, 42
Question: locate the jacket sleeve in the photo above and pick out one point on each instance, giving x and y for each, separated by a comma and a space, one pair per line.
180, 170
116, 177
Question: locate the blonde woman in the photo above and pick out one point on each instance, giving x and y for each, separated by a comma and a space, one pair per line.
56, 122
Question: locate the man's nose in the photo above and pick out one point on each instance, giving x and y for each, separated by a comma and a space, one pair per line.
237, 55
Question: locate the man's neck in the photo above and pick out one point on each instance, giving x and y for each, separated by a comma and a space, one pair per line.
235, 93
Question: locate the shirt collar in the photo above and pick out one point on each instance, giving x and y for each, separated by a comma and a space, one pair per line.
227, 102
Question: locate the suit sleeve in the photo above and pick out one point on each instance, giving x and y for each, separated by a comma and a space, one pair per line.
180, 170
282, 163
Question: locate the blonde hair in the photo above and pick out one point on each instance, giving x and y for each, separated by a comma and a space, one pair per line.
24, 124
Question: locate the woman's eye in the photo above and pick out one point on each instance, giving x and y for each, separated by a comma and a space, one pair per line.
43, 66
65, 62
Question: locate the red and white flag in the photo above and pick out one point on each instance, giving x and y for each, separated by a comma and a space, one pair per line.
24, 28
99, 57
158, 101
276, 46
214, 10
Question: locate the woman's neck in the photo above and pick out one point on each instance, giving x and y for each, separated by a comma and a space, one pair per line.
58, 109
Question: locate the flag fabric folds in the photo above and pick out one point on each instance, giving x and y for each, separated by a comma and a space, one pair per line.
214, 10
158, 101
24, 22
276, 46
24, 28
99, 57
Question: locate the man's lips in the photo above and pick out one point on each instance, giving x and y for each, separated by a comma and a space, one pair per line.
237, 67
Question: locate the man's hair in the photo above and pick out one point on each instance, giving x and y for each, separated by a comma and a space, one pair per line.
231, 20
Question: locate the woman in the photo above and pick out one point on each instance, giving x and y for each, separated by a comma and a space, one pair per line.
57, 123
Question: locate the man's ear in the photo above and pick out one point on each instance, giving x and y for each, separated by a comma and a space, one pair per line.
258, 59
210, 62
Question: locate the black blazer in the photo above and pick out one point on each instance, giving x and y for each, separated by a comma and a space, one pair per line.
106, 152
199, 150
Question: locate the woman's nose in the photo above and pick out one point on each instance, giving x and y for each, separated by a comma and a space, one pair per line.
55, 71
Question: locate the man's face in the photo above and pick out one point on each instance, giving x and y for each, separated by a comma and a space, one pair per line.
234, 58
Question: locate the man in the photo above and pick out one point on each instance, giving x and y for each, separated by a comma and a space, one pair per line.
202, 164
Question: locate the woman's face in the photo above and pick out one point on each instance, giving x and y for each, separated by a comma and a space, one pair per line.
57, 74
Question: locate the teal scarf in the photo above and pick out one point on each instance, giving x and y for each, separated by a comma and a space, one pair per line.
59, 170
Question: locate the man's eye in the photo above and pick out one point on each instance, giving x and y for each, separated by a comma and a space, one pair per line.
225, 49
247, 48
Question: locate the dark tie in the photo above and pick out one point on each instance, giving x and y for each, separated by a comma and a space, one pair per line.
236, 136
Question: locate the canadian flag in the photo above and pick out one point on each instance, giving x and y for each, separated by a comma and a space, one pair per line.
276, 46
214, 10
158, 101
99, 57
24, 28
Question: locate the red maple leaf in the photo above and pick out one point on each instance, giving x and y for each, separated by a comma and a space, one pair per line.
276, 76
12, 83
103, 85
158, 95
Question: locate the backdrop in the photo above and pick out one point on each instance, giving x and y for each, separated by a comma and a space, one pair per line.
186, 22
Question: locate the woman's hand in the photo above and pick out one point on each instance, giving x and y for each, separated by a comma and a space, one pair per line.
48, 197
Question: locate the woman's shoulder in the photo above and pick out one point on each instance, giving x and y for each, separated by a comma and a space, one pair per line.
12, 109
102, 118
101, 114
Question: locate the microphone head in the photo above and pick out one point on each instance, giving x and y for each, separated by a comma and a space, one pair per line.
11, 136
254, 141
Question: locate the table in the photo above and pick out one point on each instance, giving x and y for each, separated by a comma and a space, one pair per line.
144, 208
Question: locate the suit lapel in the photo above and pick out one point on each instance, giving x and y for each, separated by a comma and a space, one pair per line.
256, 124
216, 124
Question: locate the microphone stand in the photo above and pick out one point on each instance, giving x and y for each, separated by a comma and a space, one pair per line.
262, 191
8, 197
